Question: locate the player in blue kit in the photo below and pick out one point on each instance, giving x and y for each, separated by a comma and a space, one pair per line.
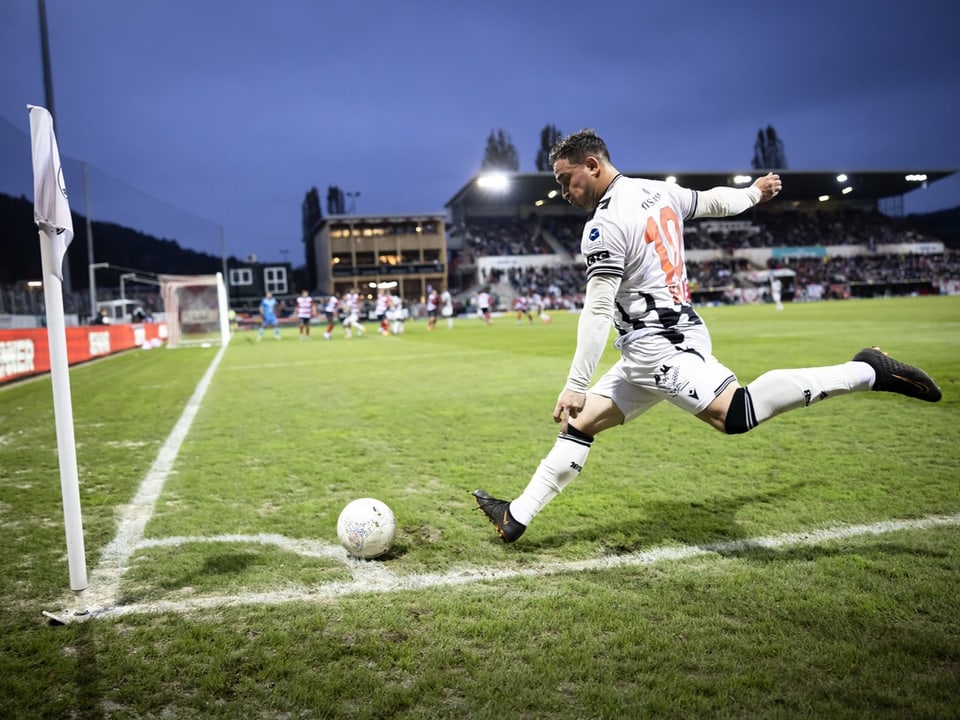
268, 315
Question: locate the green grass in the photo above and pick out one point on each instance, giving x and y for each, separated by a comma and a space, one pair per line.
863, 626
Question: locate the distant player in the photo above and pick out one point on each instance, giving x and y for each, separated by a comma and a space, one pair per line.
332, 310
268, 316
776, 288
395, 314
351, 313
306, 309
446, 307
483, 306
432, 299
381, 309
522, 305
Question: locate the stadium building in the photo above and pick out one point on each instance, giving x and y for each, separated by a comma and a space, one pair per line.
407, 252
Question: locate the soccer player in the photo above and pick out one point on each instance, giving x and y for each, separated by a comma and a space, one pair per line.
268, 316
446, 309
483, 306
522, 305
351, 308
432, 298
395, 314
306, 309
776, 291
382, 306
332, 310
636, 277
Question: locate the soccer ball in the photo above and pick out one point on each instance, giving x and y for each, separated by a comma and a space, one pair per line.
366, 528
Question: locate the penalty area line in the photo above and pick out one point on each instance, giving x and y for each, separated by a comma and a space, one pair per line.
376, 577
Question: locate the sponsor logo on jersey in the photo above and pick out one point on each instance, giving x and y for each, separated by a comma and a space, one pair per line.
649, 203
593, 238
603, 204
596, 257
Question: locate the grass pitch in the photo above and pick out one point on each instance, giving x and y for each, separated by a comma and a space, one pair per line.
684, 574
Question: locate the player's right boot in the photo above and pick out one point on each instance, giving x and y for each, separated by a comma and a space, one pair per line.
498, 512
897, 377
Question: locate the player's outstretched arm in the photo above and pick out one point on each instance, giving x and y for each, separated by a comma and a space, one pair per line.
769, 186
725, 201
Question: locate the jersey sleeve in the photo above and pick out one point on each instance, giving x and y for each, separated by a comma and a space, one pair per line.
603, 247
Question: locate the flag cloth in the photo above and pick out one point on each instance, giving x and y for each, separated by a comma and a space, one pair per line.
51, 210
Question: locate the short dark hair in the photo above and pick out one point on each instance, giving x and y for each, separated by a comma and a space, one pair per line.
575, 148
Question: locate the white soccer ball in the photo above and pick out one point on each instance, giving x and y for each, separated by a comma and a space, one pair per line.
367, 528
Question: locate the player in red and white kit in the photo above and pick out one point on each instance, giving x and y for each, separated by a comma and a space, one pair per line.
306, 309
636, 277
522, 305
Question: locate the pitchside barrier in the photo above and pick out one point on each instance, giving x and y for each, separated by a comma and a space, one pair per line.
26, 352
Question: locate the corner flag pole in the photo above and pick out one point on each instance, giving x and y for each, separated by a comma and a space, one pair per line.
52, 214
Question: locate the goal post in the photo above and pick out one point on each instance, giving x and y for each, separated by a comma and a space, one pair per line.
196, 309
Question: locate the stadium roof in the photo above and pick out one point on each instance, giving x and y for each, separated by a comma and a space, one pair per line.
529, 188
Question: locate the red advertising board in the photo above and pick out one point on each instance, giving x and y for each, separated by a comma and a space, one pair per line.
26, 352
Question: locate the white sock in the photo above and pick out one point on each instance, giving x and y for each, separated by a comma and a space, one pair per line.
778, 391
561, 465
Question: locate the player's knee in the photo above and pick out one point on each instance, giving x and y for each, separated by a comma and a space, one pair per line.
740, 415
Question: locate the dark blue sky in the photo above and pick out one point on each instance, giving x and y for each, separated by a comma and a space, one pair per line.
229, 112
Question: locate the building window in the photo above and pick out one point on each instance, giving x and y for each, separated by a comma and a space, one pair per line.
275, 280
241, 276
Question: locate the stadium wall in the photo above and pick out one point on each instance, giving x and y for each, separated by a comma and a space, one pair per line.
25, 352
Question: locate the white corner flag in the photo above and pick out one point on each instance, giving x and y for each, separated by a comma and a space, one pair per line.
51, 212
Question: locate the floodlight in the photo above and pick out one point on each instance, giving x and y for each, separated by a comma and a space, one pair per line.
841, 178
493, 181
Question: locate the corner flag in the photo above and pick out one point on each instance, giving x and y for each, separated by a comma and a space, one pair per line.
51, 210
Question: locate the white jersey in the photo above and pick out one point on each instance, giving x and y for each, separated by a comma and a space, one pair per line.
446, 299
636, 234
483, 301
351, 301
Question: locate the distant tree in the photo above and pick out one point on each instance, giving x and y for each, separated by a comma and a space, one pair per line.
549, 137
500, 154
768, 153
311, 213
335, 201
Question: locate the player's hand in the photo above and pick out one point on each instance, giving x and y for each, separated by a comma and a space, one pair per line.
569, 405
769, 186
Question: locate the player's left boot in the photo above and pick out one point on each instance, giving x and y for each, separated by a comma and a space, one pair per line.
498, 512
897, 377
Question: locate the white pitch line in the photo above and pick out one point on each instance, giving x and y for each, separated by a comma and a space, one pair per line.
105, 578
376, 577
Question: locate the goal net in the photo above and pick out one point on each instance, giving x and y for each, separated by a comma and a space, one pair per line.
195, 307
